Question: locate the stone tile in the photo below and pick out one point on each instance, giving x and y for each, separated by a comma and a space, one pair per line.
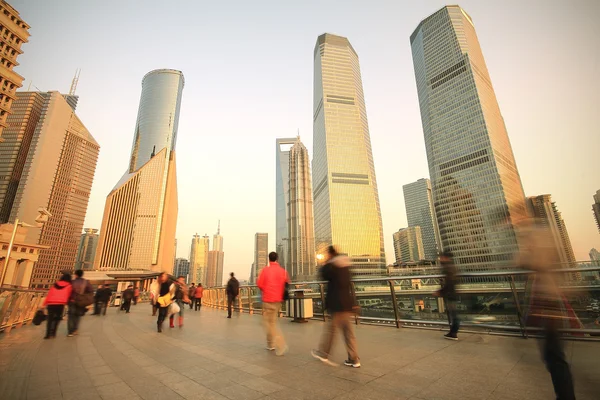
172, 377
105, 379
87, 394
262, 385
43, 392
157, 369
353, 375
99, 370
116, 390
256, 370
239, 392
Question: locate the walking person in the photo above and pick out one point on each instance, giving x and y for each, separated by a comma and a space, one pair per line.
181, 298
97, 299
136, 295
82, 296
105, 299
128, 296
191, 295
198, 296
271, 282
162, 297
58, 296
340, 303
448, 293
233, 290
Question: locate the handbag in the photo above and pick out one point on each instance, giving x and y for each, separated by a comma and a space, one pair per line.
173, 309
83, 299
39, 317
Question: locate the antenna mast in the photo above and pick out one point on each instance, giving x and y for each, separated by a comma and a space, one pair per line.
74, 82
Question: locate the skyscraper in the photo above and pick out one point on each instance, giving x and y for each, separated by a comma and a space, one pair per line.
596, 209
49, 160
473, 173
408, 245
182, 268
418, 201
87, 249
214, 271
199, 258
301, 234
346, 201
140, 216
282, 179
13, 33
261, 253
218, 239
545, 211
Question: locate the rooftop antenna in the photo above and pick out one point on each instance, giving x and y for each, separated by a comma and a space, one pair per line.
29, 87
219, 228
298, 137
153, 152
74, 82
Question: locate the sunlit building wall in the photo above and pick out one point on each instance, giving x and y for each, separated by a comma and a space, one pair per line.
282, 161
408, 245
261, 253
418, 201
477, 190
199, 258
346, 201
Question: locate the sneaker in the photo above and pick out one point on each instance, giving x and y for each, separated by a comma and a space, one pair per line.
451, 336
320, 356
282, 352
270, 348
70, 335
352, 363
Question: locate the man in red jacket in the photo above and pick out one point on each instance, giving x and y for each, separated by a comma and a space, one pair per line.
271, 282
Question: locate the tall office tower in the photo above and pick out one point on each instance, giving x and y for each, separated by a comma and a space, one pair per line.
261, 253
49, 159
474, 177
282, 179
418, 201
87, 249
182, 268
214, 274
346, 201
140, 216
594, 255
596, 209
13, 33
199, 258
252, 279
218, 239
408, 245
302, 257
545, 211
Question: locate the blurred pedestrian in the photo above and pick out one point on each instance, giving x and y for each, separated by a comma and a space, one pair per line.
82, 296
181, 298
341, 304
191, 294
128, 295
547, 308
136, 295
58, 296
198, 296
97, 299
105, 299
163, 294
233, 290
448, 293
271, 282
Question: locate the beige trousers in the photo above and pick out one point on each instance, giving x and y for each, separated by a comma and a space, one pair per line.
339, 320
270, 316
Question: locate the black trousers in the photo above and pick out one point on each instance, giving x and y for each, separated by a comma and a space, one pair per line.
197, 304
230, 300
557, 365
75, 314
126, 305
162, 315
55, 313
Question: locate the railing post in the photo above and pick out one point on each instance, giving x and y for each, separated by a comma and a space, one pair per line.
353, 290
250, 301
321, 288
513, 288
394, 302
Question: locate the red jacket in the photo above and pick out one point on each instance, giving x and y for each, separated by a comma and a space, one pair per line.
198, 293
271, 282
59, 293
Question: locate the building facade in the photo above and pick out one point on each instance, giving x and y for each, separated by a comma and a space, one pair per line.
23, 257
302, 260
282, 181
261, 253
475, 181
50, 160
596, 209
13, 33
214, 272
182, 268
418, 201
140, 215
87, 249
346, 201
199, 258
408, 245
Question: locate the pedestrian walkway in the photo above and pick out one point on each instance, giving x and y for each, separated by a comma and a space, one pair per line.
121, 356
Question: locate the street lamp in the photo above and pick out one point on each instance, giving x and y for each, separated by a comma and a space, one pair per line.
42, 218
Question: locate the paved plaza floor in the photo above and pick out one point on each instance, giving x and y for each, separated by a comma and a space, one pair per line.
121, 356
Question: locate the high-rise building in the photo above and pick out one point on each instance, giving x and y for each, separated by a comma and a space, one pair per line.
252, 279
418, 201
546, 213
218, 239
282, 179
214, 272
594, 255
473, 172
87, 249
302, 258
408, 245
346, 201
13, 33
261, 254
596, 209
47, 160
140, 216
199, 258
182, 268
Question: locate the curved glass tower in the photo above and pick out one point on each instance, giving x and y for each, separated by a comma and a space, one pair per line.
140, 216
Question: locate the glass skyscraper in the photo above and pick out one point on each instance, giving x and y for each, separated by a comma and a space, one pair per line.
282, 179
346, 201
476, 186
418, 201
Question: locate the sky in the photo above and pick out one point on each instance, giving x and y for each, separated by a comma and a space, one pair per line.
248, 70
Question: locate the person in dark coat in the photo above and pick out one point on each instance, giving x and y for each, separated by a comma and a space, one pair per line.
128, 296
97, 296
341, 304
448, 293
80, 286
233, 290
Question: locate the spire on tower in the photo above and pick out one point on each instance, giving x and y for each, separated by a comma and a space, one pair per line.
219, 228
74, 82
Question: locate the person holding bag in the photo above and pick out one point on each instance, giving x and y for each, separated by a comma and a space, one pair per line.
181, 297
82, 296
162, 297
58, 296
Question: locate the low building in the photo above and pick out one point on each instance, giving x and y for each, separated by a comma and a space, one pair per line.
22, 258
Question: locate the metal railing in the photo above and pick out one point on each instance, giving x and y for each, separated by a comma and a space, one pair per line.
498, 304
18, 306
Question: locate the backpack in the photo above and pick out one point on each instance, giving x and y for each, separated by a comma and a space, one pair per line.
83, 298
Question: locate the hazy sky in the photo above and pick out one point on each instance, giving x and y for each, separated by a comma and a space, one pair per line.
248, 69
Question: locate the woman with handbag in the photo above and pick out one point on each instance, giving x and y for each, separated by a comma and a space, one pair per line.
163, 297
181, 297
58, 296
